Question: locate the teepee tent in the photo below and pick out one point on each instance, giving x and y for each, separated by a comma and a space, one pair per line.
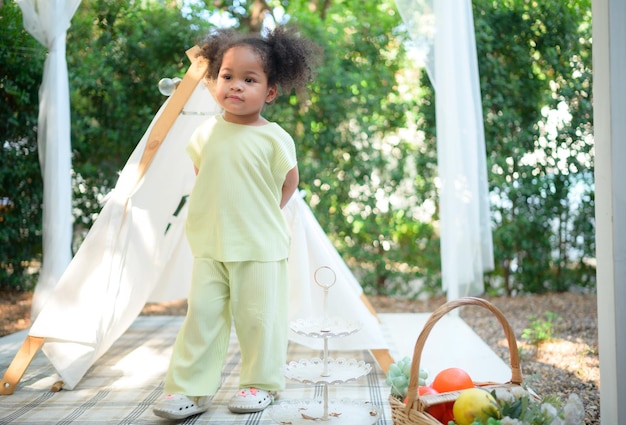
136, 252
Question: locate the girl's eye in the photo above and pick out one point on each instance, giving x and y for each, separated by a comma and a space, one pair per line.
226, 77
249, 80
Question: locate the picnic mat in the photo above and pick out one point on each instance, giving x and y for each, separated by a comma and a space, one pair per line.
125, 382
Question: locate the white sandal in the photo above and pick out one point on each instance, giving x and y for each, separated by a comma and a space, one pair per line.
250, 400
178, 406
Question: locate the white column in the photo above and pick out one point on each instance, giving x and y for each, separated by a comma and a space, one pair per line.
609, 92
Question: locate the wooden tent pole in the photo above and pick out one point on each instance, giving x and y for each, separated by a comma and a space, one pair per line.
383, 358
18, 366
173, 109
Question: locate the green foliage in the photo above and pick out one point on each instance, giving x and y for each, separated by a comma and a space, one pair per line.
535, 67
527, 410
365, 132
540, 330
21, 192
535, 75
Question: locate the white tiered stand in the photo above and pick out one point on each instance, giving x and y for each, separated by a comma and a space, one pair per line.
325, 371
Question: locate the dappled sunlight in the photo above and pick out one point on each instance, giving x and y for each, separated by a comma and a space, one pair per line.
575, 357
141, 367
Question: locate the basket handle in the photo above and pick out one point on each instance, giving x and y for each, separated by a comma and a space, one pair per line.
516, 372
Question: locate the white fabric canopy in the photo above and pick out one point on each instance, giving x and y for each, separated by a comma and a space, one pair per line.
443, 34
136, 252
48, 21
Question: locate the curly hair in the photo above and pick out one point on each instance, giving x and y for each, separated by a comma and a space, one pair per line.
288, 59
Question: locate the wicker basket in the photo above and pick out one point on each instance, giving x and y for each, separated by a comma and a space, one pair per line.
414, 412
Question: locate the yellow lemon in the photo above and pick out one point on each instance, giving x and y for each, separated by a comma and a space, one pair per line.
474, 403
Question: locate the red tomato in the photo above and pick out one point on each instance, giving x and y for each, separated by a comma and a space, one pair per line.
437, 411
442, 412
448, 414
452, 379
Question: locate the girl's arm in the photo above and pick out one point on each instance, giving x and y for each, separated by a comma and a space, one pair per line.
289, 186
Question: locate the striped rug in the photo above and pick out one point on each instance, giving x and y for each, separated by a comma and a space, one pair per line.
123, 384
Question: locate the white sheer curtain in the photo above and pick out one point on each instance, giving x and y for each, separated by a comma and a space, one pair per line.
48, 21
443, 34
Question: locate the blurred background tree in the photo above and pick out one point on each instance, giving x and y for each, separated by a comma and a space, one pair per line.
365, 132
535, 67
21, 190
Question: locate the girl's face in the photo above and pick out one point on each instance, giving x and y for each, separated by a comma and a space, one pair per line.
241, 88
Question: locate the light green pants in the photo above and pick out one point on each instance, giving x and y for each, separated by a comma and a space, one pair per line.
257, 294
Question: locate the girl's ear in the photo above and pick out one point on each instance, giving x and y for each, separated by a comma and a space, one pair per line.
272, 91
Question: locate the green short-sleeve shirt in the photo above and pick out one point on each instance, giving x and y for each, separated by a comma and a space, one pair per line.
234, 207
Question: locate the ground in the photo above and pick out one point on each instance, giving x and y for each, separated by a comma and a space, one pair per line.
566, 362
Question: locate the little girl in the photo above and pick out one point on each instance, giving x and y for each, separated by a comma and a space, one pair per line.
246, 172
